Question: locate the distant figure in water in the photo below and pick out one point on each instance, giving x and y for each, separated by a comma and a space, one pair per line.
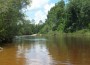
1, 48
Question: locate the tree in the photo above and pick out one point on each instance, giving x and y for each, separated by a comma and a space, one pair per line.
10, 15
70, 17
55, 18
77, 15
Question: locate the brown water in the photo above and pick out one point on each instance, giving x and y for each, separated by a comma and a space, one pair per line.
54, 50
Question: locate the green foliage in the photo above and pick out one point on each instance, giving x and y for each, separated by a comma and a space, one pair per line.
70, 17
77, 15
10, 15
55, 18
26, 28
63, 17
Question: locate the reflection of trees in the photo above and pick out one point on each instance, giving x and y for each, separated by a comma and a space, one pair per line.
78, 48
70, 50
8, 56
58, 49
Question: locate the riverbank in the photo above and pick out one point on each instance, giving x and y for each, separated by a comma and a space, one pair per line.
36, 35
84, 32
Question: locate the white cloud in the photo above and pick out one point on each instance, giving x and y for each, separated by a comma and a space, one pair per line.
39, 15
40, 9
47, 7
42, 15
38, 4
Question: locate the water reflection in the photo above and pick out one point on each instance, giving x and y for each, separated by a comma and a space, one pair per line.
65, 50
70, 50
34, 51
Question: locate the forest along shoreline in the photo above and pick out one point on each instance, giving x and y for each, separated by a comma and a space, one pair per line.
71, 18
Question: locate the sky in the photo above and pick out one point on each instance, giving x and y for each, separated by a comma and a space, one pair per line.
39, 9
